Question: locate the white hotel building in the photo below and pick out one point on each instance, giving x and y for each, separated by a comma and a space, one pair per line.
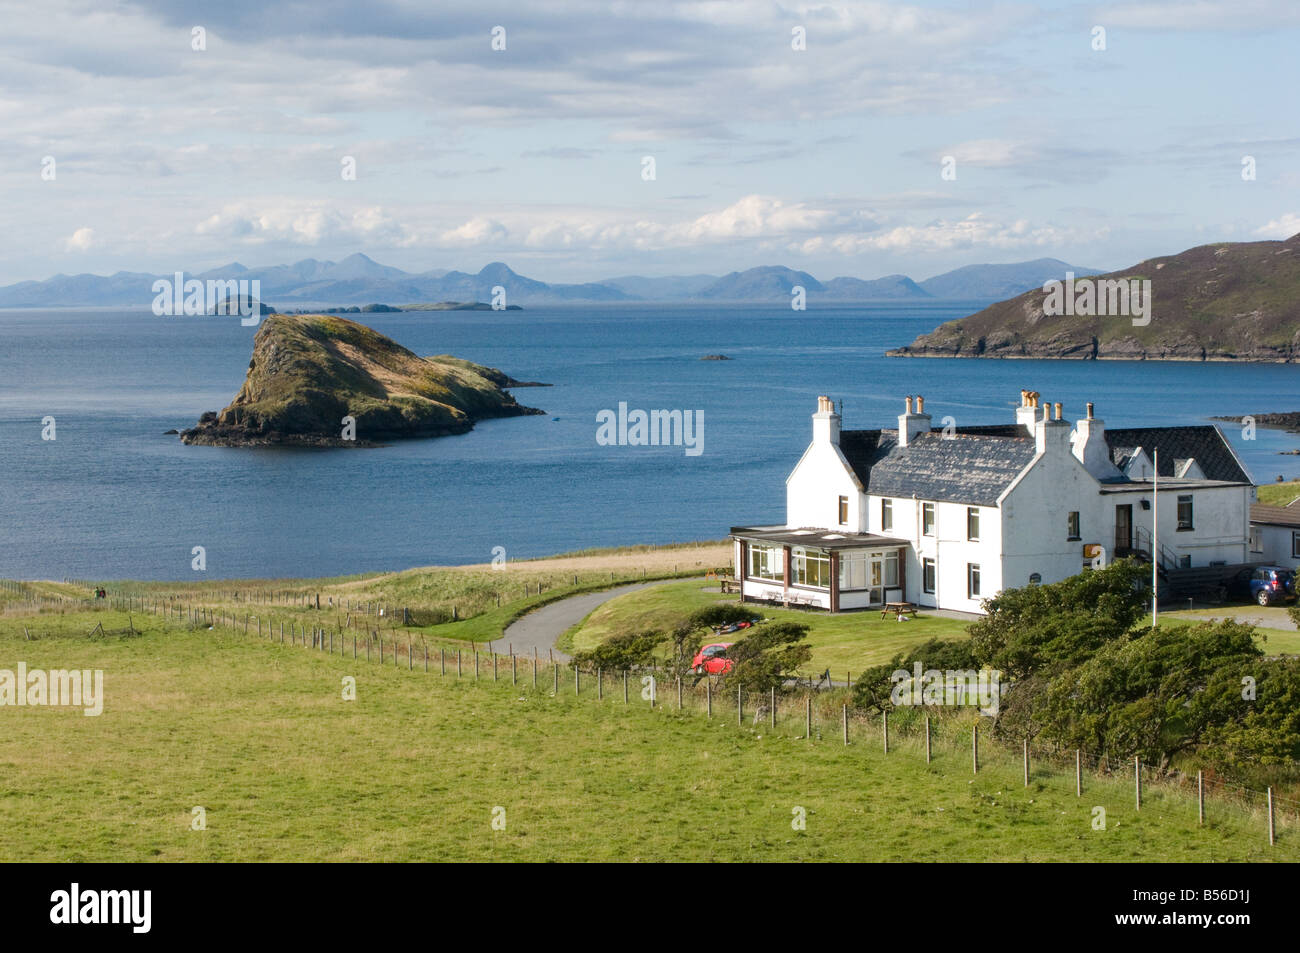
945, 518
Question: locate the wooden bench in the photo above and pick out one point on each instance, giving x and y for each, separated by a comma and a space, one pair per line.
899, 609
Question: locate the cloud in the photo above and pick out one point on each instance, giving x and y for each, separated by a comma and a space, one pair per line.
80, 240
477, 231
1251, 16
1282, 227
303, 224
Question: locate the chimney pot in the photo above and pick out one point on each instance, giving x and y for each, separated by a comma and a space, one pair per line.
909, 403
920, 404
1090, 410
1056, 410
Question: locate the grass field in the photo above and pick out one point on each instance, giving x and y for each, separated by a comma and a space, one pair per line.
1279, 494
259, 736
448, 604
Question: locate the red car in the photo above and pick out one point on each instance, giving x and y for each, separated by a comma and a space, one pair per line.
712, 659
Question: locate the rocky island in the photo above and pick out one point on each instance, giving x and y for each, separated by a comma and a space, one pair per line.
1232, 301
309, 372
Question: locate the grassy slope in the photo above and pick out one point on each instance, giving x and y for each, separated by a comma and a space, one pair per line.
433, 591
1279, 494
1232, 299
259, 736
849, 642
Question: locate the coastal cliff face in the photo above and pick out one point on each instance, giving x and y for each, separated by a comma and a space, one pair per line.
1223, 302
308, 372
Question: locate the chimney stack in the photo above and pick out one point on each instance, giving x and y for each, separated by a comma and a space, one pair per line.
1027, 412
826, 423
1056, 410
910, 424
1051, 433
1090, 447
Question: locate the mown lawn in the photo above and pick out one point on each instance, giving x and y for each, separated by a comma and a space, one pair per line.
413, 769
845, 643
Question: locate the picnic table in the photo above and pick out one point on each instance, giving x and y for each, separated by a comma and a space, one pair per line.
899, 609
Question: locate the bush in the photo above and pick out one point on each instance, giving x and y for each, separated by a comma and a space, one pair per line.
627, 650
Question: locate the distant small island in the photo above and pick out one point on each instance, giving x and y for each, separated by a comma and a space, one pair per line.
309, 372
715, 357
418, 306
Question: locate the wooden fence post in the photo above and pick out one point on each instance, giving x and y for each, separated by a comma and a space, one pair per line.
884, 728
1026, 747
708, 695
514, 667
600, 684
740, 707
807, 718
771, 706
679, 693
577, 681
975, 748
1271, 831
927, 739
1078, 773
494, 666
555, 677
1200, 797
1137, 780
844, 717
458, 663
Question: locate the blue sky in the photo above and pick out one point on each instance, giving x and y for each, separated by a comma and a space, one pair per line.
826, 159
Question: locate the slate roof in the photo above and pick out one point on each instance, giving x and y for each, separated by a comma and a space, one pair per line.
1275, 515
1205, 443
973, 465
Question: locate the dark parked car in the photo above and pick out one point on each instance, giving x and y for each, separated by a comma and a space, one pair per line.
1263, 584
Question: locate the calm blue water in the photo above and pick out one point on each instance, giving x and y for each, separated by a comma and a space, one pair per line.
113, 497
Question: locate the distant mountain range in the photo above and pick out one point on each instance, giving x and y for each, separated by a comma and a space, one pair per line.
359, 279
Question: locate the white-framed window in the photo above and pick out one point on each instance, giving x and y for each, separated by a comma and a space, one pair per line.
869, 570
1295, 545
973, 523
1185, 512
844, 510
927, 519
1257, 542
810, 568
972, 581
1072, 526
927, 574
886, 515
765, 562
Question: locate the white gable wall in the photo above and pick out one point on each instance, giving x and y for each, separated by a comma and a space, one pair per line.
813, 490
1035, 512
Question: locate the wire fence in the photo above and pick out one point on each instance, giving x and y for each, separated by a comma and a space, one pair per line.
807, 710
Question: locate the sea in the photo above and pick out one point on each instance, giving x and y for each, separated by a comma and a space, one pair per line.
114, 497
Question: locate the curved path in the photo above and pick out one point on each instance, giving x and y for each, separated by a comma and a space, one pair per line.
541, 627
